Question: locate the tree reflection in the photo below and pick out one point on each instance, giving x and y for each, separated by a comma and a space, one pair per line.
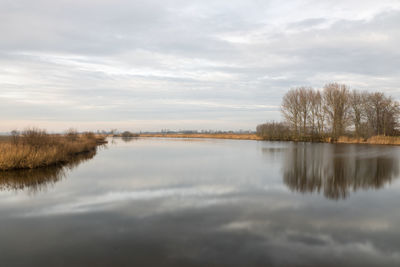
129, 139
336, 170
36, 180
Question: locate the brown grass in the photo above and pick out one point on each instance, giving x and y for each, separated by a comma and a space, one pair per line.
4, 138
216, 136
374, 140
35, 148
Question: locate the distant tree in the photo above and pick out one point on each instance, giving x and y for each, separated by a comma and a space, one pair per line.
383, 114
274, 131
128, 134
15, 136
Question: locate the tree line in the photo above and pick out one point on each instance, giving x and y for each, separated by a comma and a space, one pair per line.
334, 111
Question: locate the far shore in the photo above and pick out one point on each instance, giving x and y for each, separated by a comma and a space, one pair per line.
374, 140
204, 135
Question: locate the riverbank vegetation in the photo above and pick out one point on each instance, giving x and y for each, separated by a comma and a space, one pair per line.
34, 148
335, 114
126, 134
206, 135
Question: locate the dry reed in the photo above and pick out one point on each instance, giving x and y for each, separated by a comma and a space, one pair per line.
215, 136
374, 140
35, 148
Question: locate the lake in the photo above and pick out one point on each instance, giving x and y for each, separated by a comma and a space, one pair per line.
206, 202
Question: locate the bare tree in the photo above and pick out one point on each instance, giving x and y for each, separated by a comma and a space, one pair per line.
383, 114
317, 114
296, 108
304, 94
391, 118
312, 113
358, 104
336, 99
291, 110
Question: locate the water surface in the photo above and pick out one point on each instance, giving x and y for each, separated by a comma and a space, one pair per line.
204, 202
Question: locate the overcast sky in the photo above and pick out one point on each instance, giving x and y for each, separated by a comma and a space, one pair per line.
182, 64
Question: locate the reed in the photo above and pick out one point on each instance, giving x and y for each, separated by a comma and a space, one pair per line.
215, 136
384, 140
374, 140
35, 148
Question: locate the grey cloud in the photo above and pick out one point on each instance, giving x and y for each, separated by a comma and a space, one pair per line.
307, 23
235, 53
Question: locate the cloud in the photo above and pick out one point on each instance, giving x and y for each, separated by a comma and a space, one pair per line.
134, 60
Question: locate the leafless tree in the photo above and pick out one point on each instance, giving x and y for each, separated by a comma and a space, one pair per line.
383, 114
357, 105
291, 110
312, 114
336, 99
304, 95
317, 114
296, 108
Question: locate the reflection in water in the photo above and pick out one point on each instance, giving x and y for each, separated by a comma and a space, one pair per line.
338, 169
39, 179
269, 150
129, 139
169, 202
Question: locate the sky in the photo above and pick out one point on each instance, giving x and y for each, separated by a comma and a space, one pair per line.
181, 64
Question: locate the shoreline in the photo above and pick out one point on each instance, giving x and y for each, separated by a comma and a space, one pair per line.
211, 136
374, 140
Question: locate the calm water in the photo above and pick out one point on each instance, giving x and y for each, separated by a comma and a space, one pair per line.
168, 202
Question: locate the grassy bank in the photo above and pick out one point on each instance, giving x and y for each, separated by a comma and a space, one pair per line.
35, 148
5, 138
216, 136
374, 140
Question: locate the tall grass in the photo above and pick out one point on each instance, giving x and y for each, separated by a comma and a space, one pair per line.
374, 140
34, 148
204, 135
